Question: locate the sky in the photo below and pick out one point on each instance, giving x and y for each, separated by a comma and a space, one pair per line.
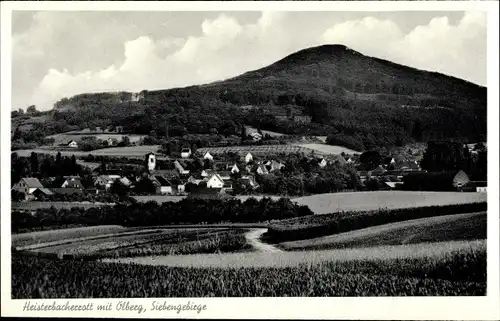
59, 54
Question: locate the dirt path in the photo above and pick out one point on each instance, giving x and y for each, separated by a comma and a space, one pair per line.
253, 238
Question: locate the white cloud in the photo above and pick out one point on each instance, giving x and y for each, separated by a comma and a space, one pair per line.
226, 48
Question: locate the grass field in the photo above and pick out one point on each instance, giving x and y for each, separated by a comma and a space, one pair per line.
470, 226
366, 201
131, 151
328, 149
270, 149
265, 132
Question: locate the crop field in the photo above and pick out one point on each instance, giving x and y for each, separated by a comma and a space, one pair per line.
32, 238
328, 149
130, 151
77, 136
33, 206
366, 201
470, 226
444, 269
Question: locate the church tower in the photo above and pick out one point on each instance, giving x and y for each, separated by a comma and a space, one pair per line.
150, 161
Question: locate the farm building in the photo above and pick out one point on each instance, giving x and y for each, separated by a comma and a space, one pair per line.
42, 192
255, 136
27, 186
233, 168
262, 170
66, 191
249, 181
274, 166
436, 181
72, 144
322, 163
163, 186
208, 156
105, 181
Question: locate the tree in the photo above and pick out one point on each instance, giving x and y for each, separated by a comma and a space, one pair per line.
31, 110
119, 188
370, 160
145, 186
445, 156
417, 131
34, 164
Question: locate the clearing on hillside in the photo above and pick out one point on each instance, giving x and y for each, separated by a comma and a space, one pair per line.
366, 201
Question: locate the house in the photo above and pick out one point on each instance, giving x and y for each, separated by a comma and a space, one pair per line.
378, 171
233, 169
248, 158
168, 173
105, 181
180, 169
249, 181
208, 193
255, 136
42, 192
207, 173
27, 186
72, 182
194, 180
150, 160
66, 191
364, 175
274, 166
186, 152
215, 181
228, 186
262, 170
163, 186
322, 163
111, 142
208, 156
72, 144
225, 175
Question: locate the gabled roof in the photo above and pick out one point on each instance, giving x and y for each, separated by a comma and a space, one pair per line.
66, 191
162, 181
45, 191
32, 182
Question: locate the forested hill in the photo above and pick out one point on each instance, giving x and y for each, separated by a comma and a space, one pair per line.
359, 101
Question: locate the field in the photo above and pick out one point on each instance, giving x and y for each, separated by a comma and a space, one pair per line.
161, 199
77, 136
34, 205
366, 201
443, 269
131, 151
328, 149
264, 149
470, 226
265, 132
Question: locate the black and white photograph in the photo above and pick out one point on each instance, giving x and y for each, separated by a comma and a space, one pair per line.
257, 153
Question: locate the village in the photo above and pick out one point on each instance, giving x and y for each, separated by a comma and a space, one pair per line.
203, 175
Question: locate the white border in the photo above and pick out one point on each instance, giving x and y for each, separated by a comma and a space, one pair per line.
415, 308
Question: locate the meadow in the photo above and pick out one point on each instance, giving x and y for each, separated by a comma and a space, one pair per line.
366, 201
444, 269
34, 205
129, 151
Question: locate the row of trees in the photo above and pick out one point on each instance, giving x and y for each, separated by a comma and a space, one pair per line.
151, 213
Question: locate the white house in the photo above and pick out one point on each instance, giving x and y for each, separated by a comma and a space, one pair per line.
234, 169
322, 163
186, 152
262, 170
248, 158
73, 144
215, 181
208, 156
27, 185
105, 181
